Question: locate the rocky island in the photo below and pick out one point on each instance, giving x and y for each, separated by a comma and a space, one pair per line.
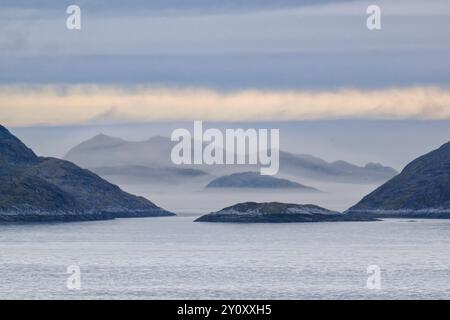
35, 189
421, 190
256, 180
276, 212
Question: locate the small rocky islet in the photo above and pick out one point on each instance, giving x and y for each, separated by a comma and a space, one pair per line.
254, 180
276, 212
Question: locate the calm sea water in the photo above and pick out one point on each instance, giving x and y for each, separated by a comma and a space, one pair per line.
174, 258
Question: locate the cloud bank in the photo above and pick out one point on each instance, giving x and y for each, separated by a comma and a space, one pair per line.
165, 5
78, 104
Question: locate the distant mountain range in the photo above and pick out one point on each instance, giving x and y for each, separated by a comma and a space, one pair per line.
256, 180
34, 188
145, 175
312, 167
105, 151
422, 189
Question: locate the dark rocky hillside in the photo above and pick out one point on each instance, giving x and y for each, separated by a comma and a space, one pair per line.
48, 189
422, 189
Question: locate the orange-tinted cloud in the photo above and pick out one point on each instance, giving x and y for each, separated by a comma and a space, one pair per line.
22, 105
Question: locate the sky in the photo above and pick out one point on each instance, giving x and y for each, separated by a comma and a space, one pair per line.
223, 60
312, 68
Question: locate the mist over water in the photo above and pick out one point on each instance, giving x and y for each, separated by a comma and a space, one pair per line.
196, 200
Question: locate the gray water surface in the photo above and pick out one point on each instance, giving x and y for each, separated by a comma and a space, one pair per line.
174, 258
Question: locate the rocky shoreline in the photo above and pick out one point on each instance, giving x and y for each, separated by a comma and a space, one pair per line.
70, 216
403, 213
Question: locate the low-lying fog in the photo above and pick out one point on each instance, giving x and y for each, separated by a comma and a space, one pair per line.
194, 200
